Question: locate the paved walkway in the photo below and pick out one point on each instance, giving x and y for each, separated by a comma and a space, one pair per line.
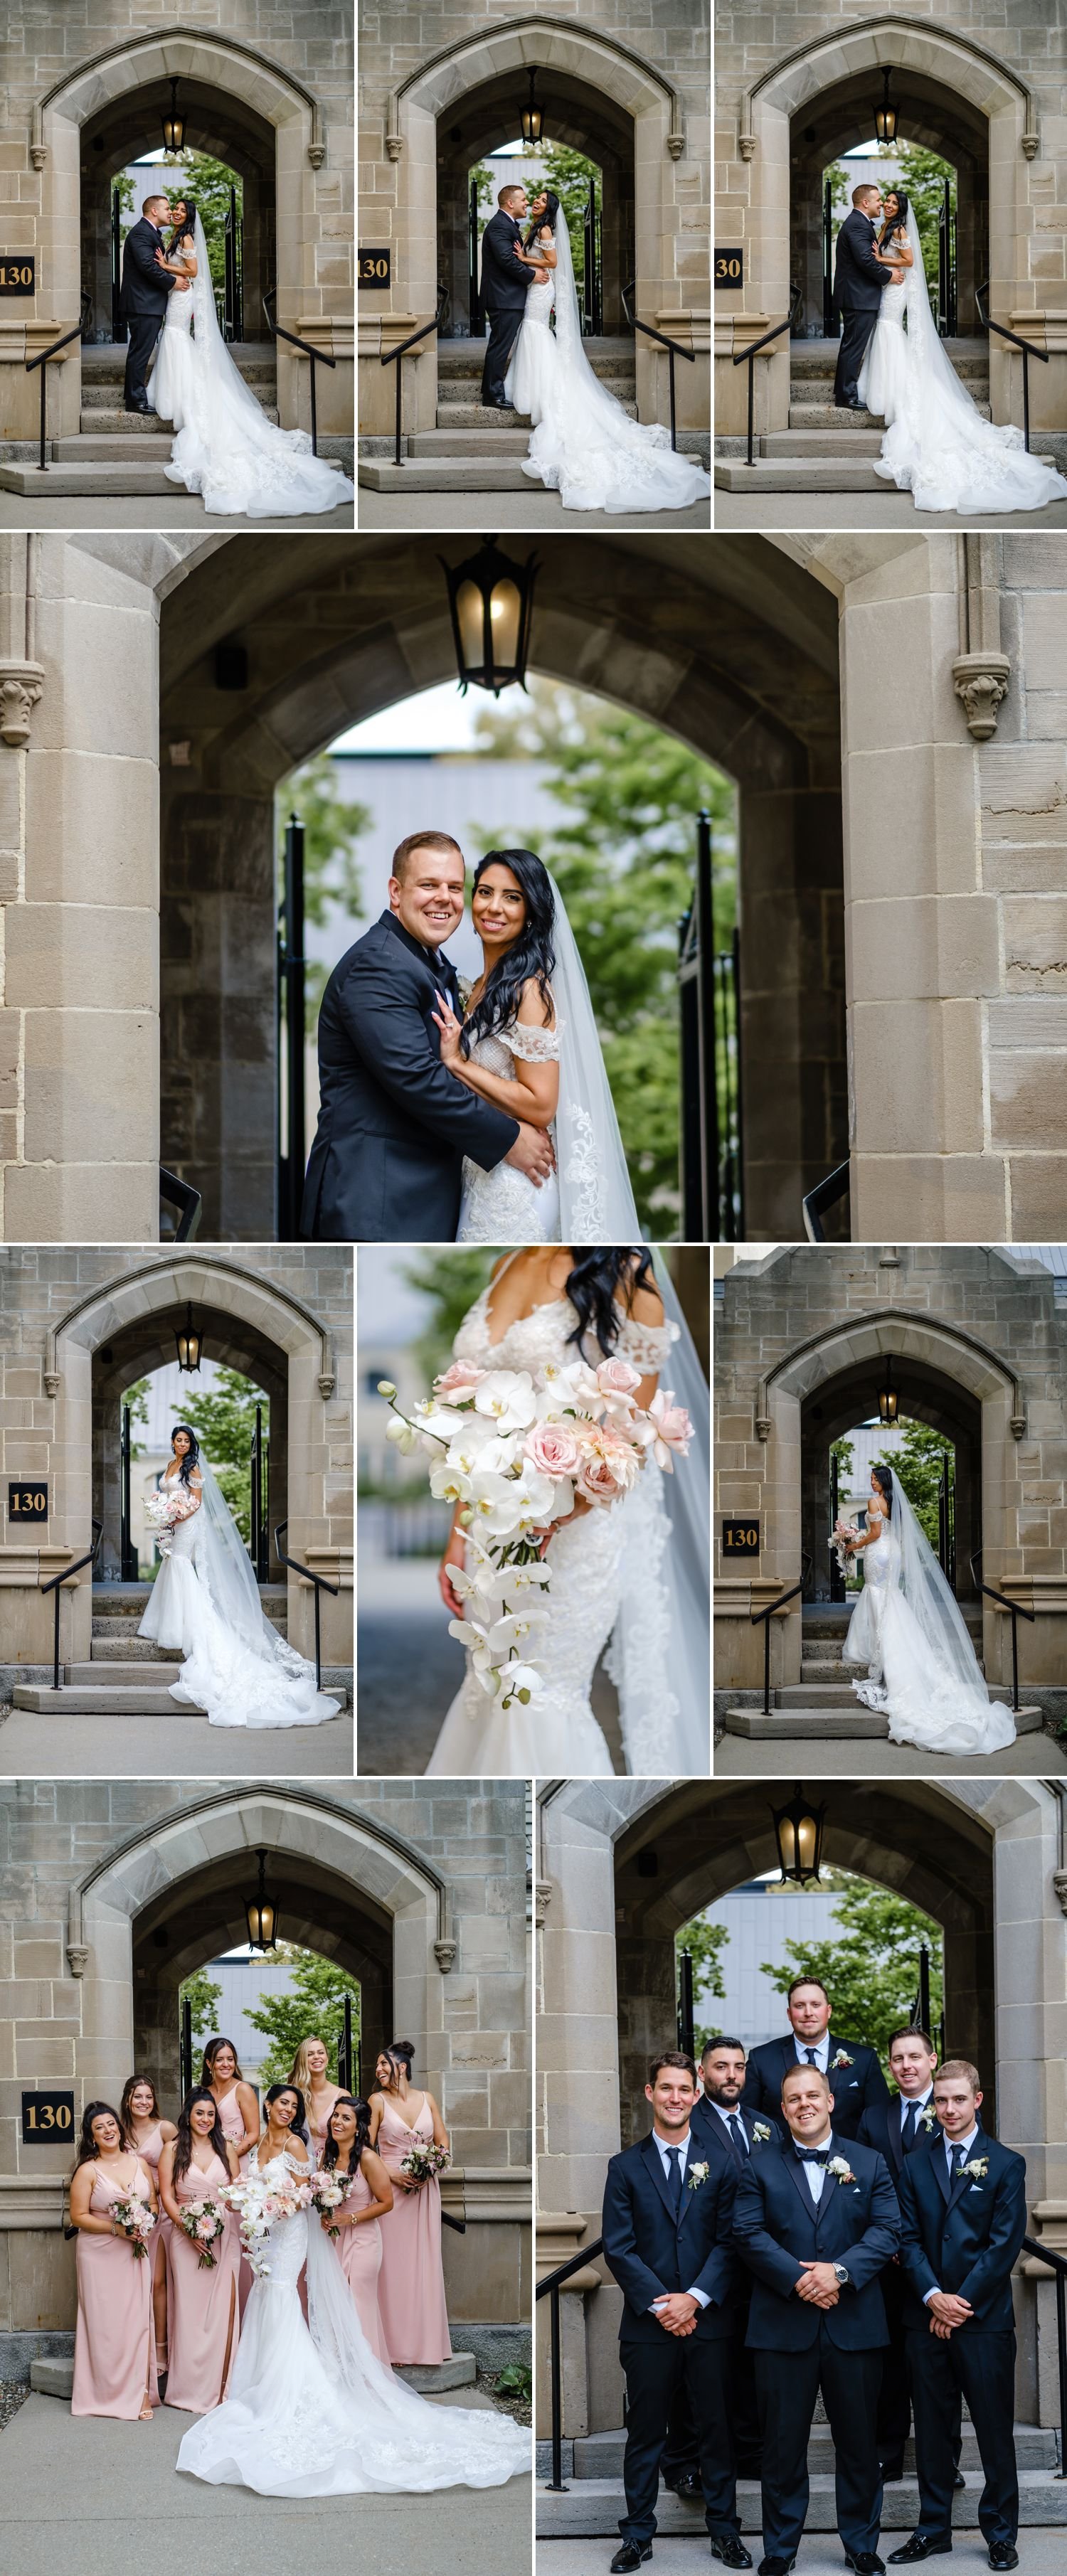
871, 510
149, 511
153, 1748
531, 509
88, 2497
1031, 1757
1041, 2553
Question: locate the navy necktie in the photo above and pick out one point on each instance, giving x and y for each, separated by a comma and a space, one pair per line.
907, 2129
674, 2177
812, 2056
959, 2158
738, 2140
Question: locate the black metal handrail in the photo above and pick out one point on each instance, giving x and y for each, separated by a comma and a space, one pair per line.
1057, 2264
54, 1583
1029, 349
393, 357
318, 358
42, 363
549, 2289
825, 1194
189, 1203
320, 1583
767, 1615
747, 357
673, 347
1018, 1611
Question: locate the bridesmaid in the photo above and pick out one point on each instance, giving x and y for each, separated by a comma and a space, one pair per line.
309, 2071
347, 2150
204, 2326
411, 2288
237, 2106
148, 2132
114, 2365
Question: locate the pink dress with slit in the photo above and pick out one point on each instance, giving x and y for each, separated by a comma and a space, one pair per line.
411, 2288
359, 2252
231, 2123
114, 2357
202, 2305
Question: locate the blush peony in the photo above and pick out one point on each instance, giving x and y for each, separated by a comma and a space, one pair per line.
552, 1448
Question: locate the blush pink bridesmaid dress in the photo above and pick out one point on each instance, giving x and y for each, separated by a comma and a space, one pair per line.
202, 2306
411, 2288
114, 2355
359, 2252
231, 2123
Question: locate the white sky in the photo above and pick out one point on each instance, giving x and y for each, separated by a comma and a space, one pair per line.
437, 719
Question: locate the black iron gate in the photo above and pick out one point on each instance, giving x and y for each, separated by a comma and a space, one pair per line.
185, 2048
837, 1580
129, 1563
292, 970
233, 307
592, 290
709, 987
831, 320
259, 1472
946, 1518
474, 291
686, 2026
946, 266
118, 327
349, 2055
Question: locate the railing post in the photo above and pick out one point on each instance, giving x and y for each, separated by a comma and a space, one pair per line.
751, 399
670, 361
318, 1645
44, 399
397, 458
1061, 2347
557, 2486
314, 412
1014, 1661
1026, 400
55, 1653
766, 1667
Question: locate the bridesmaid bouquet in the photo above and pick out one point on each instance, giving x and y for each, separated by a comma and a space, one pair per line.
259, 2204
203, 2223
328, 2192
135, 2220
422, 2164
519, 1448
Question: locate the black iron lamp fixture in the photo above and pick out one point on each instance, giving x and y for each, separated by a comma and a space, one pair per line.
491, 602
173, 122
533, 114
888, 1397
885, 115
261, 1913
798, 1832
190, 1342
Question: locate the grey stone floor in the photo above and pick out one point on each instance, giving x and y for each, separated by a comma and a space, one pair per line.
152, 511
84, 2495
152, 1748
489, 510
874, 511
409, 1670
1041, 2553
1030, 1757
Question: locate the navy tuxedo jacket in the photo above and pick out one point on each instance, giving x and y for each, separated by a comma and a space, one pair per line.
859, 283
505, 283
966, 2240
777, 2226
854, 2087
145, 287
708, 2128
880, 2128
649, 2250
394, 1124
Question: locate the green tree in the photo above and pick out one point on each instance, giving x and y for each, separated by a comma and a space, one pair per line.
623, 857
488, 184
918, 1462
569, 173
841, 185
451, 1280
225, 1422
203, 1996
315, 2005
332, 827
705, 1941
136, 1396
209, 182
871, 1972
924, 176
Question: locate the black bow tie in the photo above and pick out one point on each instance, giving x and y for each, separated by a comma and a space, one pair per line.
814, 2155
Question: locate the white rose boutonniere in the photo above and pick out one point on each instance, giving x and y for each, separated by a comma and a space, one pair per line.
465, 988
841, 2169
761, 2131
843, 2059
979, 2167
928, 2118
696, 2175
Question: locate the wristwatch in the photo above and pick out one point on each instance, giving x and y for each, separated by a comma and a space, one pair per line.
841, 2273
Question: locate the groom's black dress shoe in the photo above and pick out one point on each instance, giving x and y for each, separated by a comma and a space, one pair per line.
730, 2550
137, 406
865, 2562
776, 2566
687, 2485
921, 2545
893, 2470
632, 2554
502, 405
1001, 2554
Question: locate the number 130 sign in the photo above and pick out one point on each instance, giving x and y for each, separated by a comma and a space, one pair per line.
47, 2119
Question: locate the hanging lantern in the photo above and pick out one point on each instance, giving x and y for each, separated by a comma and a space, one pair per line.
887, 1396
885, 115
798, 1831
533, 116
173, 123
491, 600
261, 1913
190, 1342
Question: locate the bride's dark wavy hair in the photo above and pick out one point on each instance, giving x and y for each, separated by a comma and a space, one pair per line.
893, 223
192, 1453
331, 2151
185, 230
548, 217
531, 953
883, 1477
593, 1290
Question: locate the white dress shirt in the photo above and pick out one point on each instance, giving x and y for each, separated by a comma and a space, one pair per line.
728, 2118
815, 2175
821, 2048
916, 2102
951, 2145
665, 2146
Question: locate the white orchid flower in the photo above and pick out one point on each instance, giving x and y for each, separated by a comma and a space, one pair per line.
447, 1485
496, 1504
478, 1444
401, 1435
521, 1682
440, 1420
507, 1397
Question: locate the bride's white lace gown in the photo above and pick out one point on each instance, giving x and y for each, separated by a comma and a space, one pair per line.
236, 1666
925, 1702
313, 2413
170, 383
589, 1558
502, 1206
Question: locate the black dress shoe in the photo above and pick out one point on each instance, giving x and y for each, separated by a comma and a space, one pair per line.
892, 2472
1001, 2554
730, 2549
137, 406
502, 405
776, 2566
865, 2562
687, 2485
632, 2554
921, 2545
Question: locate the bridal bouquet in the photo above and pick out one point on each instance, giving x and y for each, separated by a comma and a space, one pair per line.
328, 2193
260, 2204
422, 2164
135, 2220
518, 1448
203, 2223
842, 1533
163, 1510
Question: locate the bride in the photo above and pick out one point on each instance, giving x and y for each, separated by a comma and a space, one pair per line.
225, 448
937, 446
635, 1574
311, 2412
205, 1600
907, 1629
529, 1044
584, 445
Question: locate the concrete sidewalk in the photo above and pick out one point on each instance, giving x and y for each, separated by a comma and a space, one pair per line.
1040, 2554
84, 2496
153, 1748
871, 510
1033, 1757
535, 509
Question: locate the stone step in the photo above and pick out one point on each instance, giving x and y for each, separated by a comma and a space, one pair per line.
123, 1698
123, 1602
108, 1648
812, 358
432, 2377
600, 2455
590, 2509
848, 1720
472, 414
98, 478
457, 359
108, 420
811, 474
448, 440
149, 1669
841, 435
52, 2374
452, 474
806, 414
103, 362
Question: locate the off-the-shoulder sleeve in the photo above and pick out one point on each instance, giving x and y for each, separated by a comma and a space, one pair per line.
646, 1346
533, 1046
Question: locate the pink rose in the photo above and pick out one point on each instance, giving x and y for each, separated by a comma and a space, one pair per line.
673, 1429
460, 1378
205, 2226
617, 1378
552, 1448
596, 1479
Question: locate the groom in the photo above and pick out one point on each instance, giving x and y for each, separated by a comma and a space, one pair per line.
859, 284
143, 297
394, 1125
505, 284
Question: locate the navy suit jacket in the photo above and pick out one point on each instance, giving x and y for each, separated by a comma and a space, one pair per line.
505, 283
777, 2226
966, 2240
707, 2126
859, 283
880, 2128
394, 1124
854, 2087
650, 2251
145, 287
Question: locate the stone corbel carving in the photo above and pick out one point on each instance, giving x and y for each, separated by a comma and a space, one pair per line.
52, 1381
317, 145
394, 140
763, 1418
542, 1898
38, 146
1030, 136
1017, 1426
328, 1370
676, 132
77, 1956
445, 1954
1059, 1881
981, 681
21, 684
746, 138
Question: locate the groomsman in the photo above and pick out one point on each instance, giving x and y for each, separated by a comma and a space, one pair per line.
899, 2128
963, 2214
728, 2135
668, 2241
856, 2078
816, 2224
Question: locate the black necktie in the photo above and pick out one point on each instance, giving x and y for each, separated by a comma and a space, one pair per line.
907, 2129
812, 2056
736, 2127
959, 2155
674, 2177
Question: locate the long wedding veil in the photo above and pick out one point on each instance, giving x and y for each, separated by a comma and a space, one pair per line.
660, 1652
931, 1600
596, 1200
931, 371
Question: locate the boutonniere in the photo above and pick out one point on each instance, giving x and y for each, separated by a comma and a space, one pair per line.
696, 2175
843, 2059
979, 2167
928, 2118
464, 988
761, 2131
841, 2169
